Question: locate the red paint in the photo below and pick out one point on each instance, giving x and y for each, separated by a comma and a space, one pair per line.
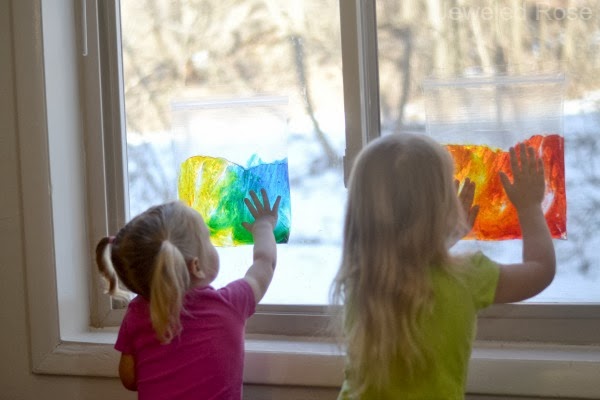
497, 219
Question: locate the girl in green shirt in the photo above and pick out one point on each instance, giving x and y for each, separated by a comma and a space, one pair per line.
409, 307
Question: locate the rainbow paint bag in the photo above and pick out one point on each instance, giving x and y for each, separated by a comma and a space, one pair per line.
230, 147
478, 119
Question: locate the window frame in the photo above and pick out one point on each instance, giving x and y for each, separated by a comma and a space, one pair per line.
103, 58
536, 360
546, 322
105, 122
361, 102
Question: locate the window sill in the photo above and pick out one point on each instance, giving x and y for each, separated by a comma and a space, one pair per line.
526, 369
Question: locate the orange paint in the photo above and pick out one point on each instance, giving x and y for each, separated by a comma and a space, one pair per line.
497, 219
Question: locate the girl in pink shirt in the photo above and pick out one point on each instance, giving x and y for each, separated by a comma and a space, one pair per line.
180, 338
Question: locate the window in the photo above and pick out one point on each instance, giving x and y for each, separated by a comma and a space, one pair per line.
166, 73
189, 74
532, 46
449, 41
177, 57
60, 225
171, 59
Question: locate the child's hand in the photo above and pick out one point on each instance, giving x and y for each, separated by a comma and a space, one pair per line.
465, 197
528, 184
524, 280
264, 256
262, 213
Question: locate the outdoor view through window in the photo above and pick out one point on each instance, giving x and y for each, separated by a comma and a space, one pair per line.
257, 81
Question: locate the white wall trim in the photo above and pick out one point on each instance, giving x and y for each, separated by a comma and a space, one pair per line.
36, 188
553, 371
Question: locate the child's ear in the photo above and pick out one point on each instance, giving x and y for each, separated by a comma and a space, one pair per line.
195, 269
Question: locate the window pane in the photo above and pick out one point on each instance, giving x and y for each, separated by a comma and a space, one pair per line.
422, 39
181, 56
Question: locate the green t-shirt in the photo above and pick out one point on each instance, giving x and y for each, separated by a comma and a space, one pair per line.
448, 333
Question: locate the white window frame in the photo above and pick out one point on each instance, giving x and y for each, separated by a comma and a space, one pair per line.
523, 349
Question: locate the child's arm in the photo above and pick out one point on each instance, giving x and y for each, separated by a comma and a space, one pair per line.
127, 372
260, 273
521, 281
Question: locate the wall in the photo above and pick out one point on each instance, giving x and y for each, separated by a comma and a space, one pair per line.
16, 380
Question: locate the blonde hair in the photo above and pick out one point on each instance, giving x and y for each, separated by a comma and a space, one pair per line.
149, 256
401, 212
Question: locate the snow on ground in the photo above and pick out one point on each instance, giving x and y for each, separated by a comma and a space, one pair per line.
307, 264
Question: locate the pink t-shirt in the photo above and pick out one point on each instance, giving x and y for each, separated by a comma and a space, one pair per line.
206, 361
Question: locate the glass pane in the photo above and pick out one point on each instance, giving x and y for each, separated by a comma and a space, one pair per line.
421, 41
184, 57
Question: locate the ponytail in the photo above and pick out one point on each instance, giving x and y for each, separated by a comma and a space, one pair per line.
106, 268
148, 257
170, 282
